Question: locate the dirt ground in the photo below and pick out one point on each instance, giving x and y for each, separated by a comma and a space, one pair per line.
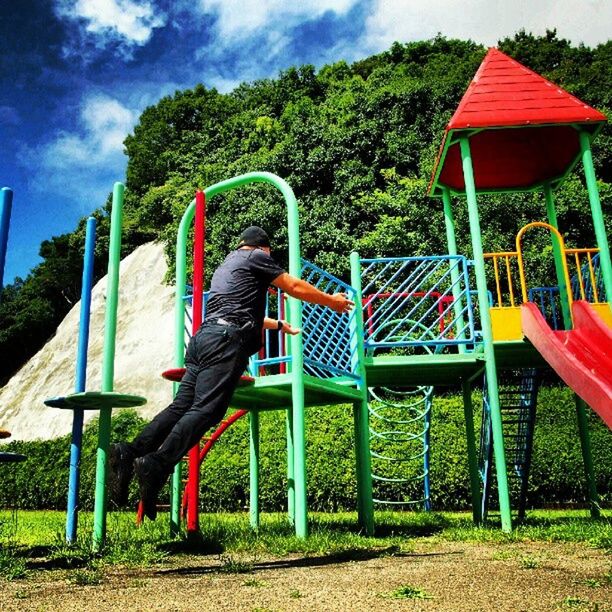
439, 576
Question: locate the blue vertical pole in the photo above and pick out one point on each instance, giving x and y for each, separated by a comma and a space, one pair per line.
81, 376
6, 203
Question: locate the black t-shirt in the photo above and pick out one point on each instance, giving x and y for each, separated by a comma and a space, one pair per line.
239, 286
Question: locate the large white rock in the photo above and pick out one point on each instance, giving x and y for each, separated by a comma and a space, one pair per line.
144, 348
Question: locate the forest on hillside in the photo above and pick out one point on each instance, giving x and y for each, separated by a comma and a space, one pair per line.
357, 143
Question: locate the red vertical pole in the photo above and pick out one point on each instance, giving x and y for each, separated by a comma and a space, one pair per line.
199, 242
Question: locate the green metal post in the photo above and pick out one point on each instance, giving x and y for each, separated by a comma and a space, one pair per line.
558, 256
294, 311
598, 221
297, 381
468, 412
487, 336
290, 472
361, 413
254, 468
583, 422
606, 271
108, 364
175, 501
587, 456
449, 222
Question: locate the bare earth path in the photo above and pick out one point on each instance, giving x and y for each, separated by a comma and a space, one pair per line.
455, 576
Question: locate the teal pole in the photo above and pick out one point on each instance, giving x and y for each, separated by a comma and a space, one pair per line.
598, 220
108, 364
587, 456
297, 380
449, 222
294, 311
551, 213
468, 411
606, 272
175, 485
361, 413
254, 468
487, 336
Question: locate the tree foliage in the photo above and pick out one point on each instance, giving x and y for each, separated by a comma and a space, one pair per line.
357, 143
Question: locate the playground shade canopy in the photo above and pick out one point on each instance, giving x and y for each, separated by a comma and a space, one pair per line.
521, 129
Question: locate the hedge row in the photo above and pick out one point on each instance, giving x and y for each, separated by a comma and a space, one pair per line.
557, 472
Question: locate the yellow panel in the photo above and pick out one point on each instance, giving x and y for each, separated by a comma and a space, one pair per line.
603, 312
506, 323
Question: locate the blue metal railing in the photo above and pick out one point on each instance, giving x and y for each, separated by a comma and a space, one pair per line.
329, 338
417, 301
548, 298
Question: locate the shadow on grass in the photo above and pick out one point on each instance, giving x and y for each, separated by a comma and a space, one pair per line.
230, 565
50, 558
196, 544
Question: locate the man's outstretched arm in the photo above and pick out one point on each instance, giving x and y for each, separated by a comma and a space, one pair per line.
303, 290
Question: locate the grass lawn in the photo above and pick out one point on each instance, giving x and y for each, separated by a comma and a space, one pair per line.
28, 532
560, 559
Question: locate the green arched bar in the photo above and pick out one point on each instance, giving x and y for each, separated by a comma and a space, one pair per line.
295, 317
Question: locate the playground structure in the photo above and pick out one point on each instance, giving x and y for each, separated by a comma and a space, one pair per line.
418, 323
422, 310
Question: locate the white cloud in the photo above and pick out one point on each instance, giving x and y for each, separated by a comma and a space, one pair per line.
105, 123
127, 22
240, 18
485, 21
83, 165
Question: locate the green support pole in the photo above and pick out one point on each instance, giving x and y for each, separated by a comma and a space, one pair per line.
598, 221
295, 317
175, 501
108, 364
254, 468
361, 413
606, 272
468, 412
558, 256
487, 335
587, 456
449, 222
290, 472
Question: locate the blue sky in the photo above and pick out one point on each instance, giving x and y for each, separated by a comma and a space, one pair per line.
76, 74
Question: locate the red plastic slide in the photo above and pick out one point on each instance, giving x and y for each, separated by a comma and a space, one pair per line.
581, 357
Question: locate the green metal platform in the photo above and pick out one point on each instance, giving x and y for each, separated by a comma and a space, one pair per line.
518, 354
446, 370
422, 370
273, 392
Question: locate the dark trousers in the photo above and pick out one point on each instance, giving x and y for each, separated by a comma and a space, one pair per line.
216, 357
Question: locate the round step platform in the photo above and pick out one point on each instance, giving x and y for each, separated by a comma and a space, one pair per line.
96, 400
11, 457
176, 375
4, 434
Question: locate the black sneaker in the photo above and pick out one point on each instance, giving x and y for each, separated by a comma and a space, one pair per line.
120, 473
150, 482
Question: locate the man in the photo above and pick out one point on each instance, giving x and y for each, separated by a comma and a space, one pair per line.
216, 357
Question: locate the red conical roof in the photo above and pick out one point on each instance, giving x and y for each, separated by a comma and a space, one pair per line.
505, 94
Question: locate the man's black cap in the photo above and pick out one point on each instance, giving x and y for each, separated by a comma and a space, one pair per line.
254, 236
